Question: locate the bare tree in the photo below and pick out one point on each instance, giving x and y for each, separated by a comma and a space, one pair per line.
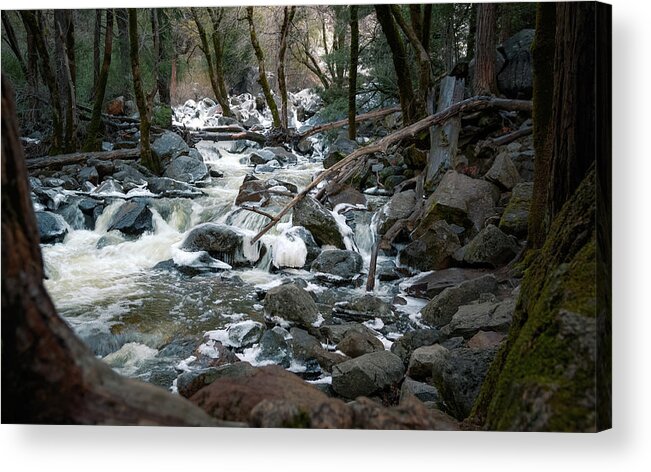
288, 16
485, 78
352, 74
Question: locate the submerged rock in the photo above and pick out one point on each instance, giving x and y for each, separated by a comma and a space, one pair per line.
52, 228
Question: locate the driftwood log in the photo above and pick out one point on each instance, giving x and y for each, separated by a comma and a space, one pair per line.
470, 104
372, 115
48, 375
80, 158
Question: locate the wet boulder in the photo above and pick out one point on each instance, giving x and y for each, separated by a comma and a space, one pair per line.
166, 187
367, 374
261, 156
274, 347
190, 168
356, 344
219, 241
366, 307
488, 316
310, 214
308, 350
133, 218
490, 248
433, 250
400, 206
334, 334
338, 150
168, 146
515, 219
52, 228
337, 265
292, 303
258, 191
244, 333
440, 309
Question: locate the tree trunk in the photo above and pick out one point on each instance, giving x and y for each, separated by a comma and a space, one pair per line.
400, 63
67, 75
261, 68
124, 62
218, 46
288, 15
164, 63
472, 32
485, 78
148, 158
48, 375
12, 40
93, 139
352, 74
97, 36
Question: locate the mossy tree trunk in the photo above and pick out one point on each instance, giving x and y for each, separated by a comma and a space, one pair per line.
352, 74
288, 16
143, 102
93, 139
264, 83
485, 78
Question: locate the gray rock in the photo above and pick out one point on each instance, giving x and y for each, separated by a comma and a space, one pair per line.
334, 334
274, 347
133, 218
166, 187
261, 156
367, 374
220, 241
310, 214
168, 146
424, 392
245, 333
366, 307
515, 78
423, 360
404, 346
189, 383
429, 285
440, 309
267, 168
503, 172
89, 174
52, 228
460, 376
515, 219
490, 248
487, 316
400, 206
338, 150
290, 302
338, 265
255, 190
433, 250
190, 168
355, 344
308, 350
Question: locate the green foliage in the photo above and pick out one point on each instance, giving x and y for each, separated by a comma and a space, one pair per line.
335, 103
162, 116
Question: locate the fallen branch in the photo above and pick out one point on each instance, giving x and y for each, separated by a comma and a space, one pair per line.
510, 137
470, 104
209, 136
80, 158
338, 124
258, 211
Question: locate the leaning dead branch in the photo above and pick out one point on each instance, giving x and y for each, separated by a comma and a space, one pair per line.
372, 115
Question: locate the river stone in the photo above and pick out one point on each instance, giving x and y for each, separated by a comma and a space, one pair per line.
400, 206
274, 347
168, 146
440, 309
488, 316
282, 155
52, 228
133, 218
166, 187
515, 219
433, 250
366, 307
430, 284
338, 265
261, 156
255, 190
405, 345
490, 248
503, 172
190, 168
486, 339
310, 214
89, 174
459, 200
346, 195
308, 350
423, 359
334, 334
339, 150
189, 383
220, 241
245, 333
459, 377
423, 391
367, 374
411, 414
290, 302
355, 344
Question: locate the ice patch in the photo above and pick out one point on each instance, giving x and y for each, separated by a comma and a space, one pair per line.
375, 324
184, 366
327, 380
288, 250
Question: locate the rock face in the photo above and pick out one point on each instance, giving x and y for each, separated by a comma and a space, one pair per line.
433, 250
190, 168
487, 316
51, 227
218, 240
338, 265
459, 376
132, 218
290, 302
442, 307
515, 79
503, 172
515, 219
367, 374
400, 206
317, 220
357, 344
490, 248
461, 200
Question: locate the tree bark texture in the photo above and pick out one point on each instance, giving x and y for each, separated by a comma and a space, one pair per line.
485, 78
352, 74
288, 15
124, 55
64, 27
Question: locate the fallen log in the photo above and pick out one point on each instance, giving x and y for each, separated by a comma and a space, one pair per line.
372, 115
210, 136
510, 137
470, 104
61, 160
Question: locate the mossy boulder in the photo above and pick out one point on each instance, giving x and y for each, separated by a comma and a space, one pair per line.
515, 219
544, 377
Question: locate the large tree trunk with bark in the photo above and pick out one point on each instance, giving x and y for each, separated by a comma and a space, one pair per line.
352, 74
93, 139
266, 89
48, 375
124, 62
164, 60
288, 15
64, 28
216, 17
143, 102
485, 78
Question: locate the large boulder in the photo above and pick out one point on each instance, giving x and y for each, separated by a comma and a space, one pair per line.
338, 150
274, 347
404, 346
166, 187
430, 284
337, 265
515, 79
503, 172
308, 350
490, 248
190, 168
423, 360
52, 228
355, 344
219, 241
461, 200
310, 214
256, 191
433, 250
487, 316
292, 303
366, 307
400, 206
133, 218
367, 374
334, 334
168, 146
440, 309
515, 219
